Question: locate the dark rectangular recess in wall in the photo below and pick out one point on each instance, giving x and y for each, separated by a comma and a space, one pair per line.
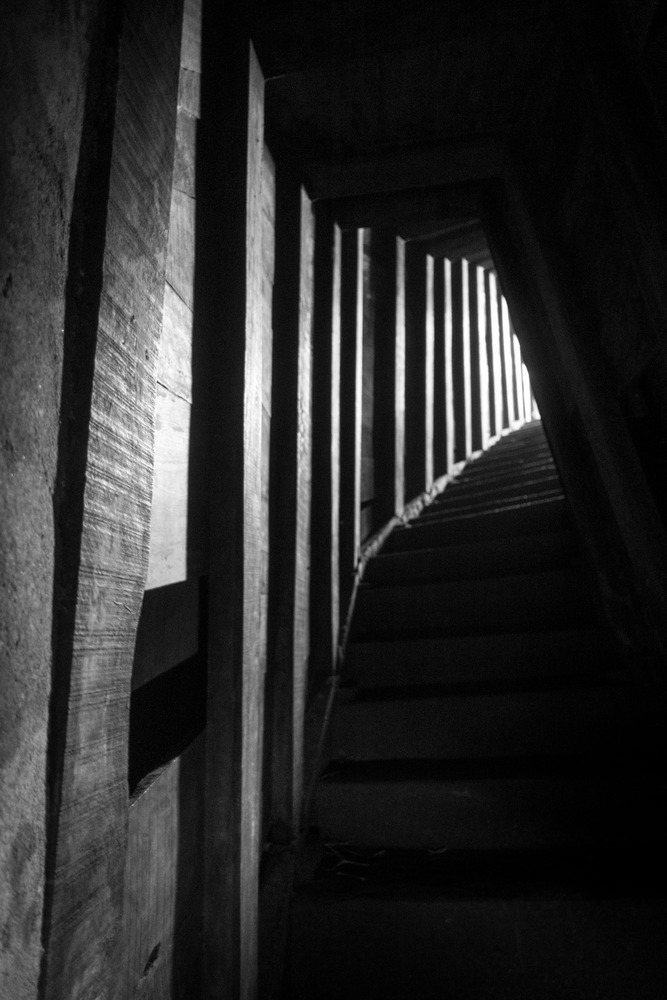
169, 628
643, 407
166, 714
367, 485
169, 710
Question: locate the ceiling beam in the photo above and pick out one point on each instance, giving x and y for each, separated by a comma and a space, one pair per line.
466, 245
295, 37
442, 92
429, 209
409, 168
452, 229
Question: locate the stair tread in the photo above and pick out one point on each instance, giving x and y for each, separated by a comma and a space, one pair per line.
553, 574
511, 813
518, 452
469, 559
527, 484
514, 519
560, 595
440, 565
552, 873
494, 804
584, 766
477, 658
478, 471
500, 939
486, 687
446, 511
508, 803
539, 503
482, 725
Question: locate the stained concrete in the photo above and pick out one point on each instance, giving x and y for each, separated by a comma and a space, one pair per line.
44, 49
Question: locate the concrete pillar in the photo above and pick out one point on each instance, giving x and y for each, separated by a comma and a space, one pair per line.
112, 326
290, 499
229, 275
388, 279
351, 353
325, 602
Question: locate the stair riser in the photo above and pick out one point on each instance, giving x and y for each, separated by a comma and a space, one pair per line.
462, 494
506, 767
544, 599
469, 949
475, 726
478, 659
551, 515
470, 505
456, 562
493, 814
478, 474
517, 452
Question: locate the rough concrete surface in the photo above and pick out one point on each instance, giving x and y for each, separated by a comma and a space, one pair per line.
43, 58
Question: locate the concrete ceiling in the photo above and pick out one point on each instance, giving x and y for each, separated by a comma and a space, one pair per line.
399, 113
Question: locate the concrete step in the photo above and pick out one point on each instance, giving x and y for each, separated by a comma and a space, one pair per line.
480, 474
511, 452
516, 804
542, 873
485, 486
552, 598
475, 504
518, 463
518, 519
496, 556
399, 723
476, 471
353, 939
528, 428
529, 431
511, 448
512, 657
461, 493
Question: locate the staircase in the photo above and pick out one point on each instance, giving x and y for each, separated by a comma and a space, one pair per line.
491, 820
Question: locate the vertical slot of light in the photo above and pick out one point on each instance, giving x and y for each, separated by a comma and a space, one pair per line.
496, 353
368, 520
461, 360
449, 361
507, 360
399, 379
475, 381
351, 348
527, 395
518, 379
428, 373
484, 386
388, 444
334, 443
440, 466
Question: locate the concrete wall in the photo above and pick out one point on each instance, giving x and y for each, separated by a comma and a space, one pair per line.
44, 47
579, 190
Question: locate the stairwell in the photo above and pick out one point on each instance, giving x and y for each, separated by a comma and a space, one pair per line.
491, 819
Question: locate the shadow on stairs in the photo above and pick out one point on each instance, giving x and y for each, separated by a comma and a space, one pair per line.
491, 819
